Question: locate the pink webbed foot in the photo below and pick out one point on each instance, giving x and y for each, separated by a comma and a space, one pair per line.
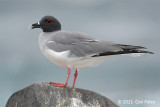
58, 84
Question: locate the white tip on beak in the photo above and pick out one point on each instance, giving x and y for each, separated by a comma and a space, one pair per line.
38, 23
30, 27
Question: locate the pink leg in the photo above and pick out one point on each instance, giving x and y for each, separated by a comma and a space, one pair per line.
60, 84
75, 77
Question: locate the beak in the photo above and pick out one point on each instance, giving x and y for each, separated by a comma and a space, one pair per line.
36, 25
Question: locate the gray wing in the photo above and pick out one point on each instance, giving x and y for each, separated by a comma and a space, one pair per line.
82, 45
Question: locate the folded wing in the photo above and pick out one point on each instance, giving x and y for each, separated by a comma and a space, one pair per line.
82, 45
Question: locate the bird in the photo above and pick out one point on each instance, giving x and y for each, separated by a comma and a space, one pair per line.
77, 50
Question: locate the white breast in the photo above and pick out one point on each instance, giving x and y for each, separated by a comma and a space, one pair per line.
58, 58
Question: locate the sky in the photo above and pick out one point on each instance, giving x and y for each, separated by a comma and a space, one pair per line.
131, 22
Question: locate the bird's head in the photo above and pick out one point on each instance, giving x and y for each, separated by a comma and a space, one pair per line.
47, 24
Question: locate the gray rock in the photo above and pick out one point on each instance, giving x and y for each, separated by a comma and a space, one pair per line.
44, 95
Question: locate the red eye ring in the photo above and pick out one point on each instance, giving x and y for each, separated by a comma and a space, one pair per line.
49, 21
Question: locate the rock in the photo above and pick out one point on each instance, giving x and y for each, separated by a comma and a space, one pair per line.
44, 95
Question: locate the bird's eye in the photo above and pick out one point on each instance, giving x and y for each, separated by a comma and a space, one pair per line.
49, 21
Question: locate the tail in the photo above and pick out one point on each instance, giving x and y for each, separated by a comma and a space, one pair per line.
135, 52
126, 50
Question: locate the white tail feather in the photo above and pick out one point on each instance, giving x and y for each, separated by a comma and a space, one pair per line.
134, 54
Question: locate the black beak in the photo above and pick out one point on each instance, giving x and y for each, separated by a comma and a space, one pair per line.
36, 25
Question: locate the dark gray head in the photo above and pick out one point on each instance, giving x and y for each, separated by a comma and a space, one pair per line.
47, 24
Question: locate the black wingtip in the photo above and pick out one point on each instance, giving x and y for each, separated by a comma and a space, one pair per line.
141, 51
150, 52
125, 51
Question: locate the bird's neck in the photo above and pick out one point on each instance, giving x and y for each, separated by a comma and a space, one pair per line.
51, 30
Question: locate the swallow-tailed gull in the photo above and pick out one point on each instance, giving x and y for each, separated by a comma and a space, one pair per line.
76, 50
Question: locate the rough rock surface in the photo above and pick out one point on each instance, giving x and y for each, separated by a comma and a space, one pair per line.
43, 95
